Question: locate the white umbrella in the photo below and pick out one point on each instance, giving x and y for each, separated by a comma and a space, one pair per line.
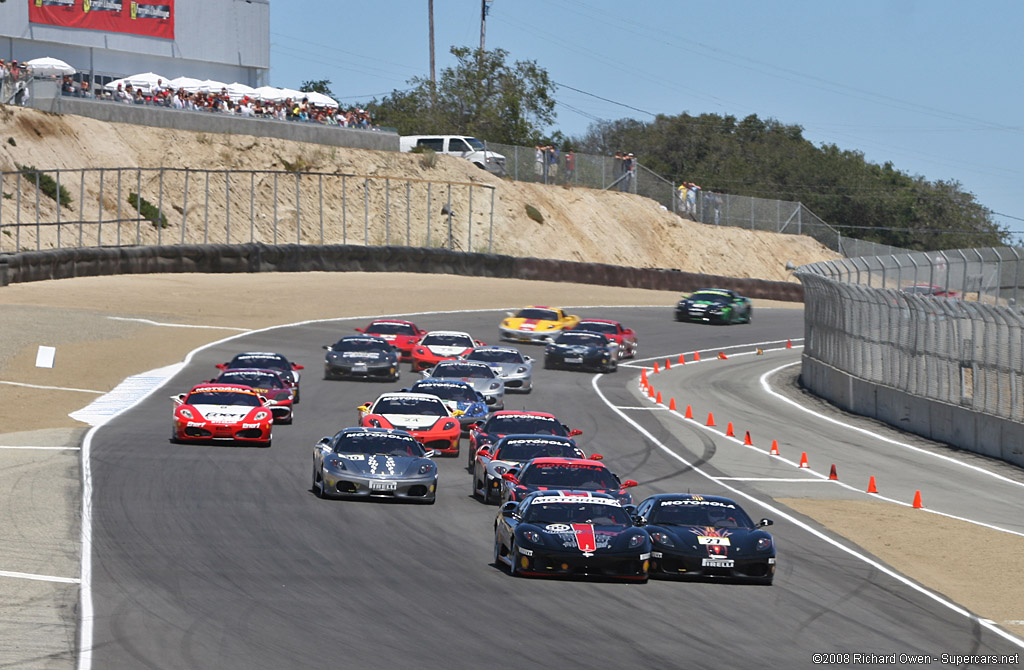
146, 81
237, 91
268, 93
212, 86
188, 83
320, 100
49, 66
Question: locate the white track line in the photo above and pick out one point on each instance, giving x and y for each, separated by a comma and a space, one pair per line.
797, 480
11, 446
177, 325
39, 578
814, 473
775, 510
53, 388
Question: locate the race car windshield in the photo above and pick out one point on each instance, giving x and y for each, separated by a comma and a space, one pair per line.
496, 356
577, 512
420, 406
254, 361
524, 450
369, 443
447, 341
382, 328
597, 327
456, 392
360, 345
222, 398
470, 371
699, 513
536, 425
586, 477
586, 339
261, 380
717, 298
538, 314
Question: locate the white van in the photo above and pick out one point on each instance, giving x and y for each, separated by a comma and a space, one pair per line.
462, 146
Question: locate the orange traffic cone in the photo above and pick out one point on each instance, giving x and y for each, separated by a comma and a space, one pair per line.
775, 448
668, 364
650, 391
760, 351
656, 368
747, 441
682, 359
728, 430
711, 419
689, 413
803, 460
722, 355
659, 398
871, 485
696, 356
832, 473
917, 500
643, 376
789, 344
672, 404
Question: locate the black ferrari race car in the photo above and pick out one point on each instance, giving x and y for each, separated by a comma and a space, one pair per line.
361, 356
706, 536
583, 350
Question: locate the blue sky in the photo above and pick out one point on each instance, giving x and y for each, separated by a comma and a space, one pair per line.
932, 86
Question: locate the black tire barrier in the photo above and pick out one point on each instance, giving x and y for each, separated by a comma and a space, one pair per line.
32, 266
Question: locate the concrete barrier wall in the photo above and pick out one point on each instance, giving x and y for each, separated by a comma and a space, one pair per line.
208, 122
957, 426
257, 257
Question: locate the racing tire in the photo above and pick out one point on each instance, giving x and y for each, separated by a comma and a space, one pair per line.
267, 444
513, 568
396, 376
473, 491
472, 461
318, 489
611, 367
497, 551
296, 401
488, 498
548, 365
750, 315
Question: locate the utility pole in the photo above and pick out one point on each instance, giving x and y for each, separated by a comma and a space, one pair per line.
433, 79
485, 7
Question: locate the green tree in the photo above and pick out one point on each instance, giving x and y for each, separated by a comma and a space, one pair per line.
482, 95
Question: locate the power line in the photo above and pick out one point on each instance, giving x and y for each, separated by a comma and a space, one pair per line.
593, 95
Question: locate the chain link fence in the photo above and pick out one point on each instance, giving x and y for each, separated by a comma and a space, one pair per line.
55, 209
945, 326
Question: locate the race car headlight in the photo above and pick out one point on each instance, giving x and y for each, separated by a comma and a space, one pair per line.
336, 463
186, 413
500, 469
505, 323
636, 541
662, 539
260, 416
375, 423
520, 371
532, 536
765, 544
426, 468
448, 425
551, 326
494, 385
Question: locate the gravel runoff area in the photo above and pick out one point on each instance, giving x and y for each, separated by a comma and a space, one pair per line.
105, 329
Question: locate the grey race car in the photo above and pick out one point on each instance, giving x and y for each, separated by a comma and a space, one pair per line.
364, 462
515, 369
479, 375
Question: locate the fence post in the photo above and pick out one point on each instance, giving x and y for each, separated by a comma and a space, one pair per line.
515, 163
449, 210
184, 208
206, 210
408, 214
429, 205
39, 241
344, 209
275, 209
17, 212
160, 211
490, 234
252, 207
118, 207
298, 211
387, 212
751, 213
320, 177
99, 217
138, 206
366, 211
227, 206
58, 207
2, 207
469, 245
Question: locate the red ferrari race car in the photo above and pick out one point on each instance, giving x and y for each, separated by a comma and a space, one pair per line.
423, 416
403, 335
541, 474
614, 331
269, 384
441, 345
222, 412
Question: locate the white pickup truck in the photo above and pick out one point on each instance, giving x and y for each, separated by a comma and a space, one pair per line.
462, 146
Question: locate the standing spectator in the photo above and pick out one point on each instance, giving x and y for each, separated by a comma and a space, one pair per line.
618, 166
538, 162
552, 164
570, 166
628, 168
716, 204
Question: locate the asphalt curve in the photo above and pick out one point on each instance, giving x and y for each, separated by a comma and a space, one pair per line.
222, 557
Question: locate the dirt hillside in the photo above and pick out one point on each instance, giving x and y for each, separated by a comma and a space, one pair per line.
579, 224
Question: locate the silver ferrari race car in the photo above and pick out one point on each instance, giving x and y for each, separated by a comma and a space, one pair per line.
364, 462
480, 376
515, 369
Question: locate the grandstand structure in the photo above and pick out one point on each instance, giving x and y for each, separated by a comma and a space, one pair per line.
225, 40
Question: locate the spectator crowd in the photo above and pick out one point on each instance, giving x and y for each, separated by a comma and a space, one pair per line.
13, 82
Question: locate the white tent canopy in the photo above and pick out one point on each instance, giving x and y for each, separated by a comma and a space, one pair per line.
188, 83
320, 100
237, 91
49, 66
146, 81
277, 94
212, 86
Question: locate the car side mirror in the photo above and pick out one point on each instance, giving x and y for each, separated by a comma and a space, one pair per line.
765, 522
527, 359
221, 366
509, 509
430, 453
596, 457
179, 399
327, 347
365, 407
629, 483
473, 426
359, 330
574, 432
509, 477
483, 451
296, 366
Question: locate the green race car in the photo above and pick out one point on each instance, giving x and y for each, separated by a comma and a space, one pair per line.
715, 305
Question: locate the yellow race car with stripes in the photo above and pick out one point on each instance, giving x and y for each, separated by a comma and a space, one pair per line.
536, 324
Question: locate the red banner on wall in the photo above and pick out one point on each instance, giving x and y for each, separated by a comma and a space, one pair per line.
154, 18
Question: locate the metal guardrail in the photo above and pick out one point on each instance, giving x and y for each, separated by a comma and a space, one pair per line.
135, 206
945, 326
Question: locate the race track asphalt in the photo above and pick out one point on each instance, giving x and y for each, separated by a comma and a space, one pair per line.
222, 557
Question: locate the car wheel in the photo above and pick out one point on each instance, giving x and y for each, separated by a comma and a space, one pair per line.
497, 550
514, 567
488, 498
296, 401
548, 365
318, 489
397, 375
612, 366
267, 444
750, 315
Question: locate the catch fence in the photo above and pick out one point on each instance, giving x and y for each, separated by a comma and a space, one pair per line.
55, 209
945, 326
